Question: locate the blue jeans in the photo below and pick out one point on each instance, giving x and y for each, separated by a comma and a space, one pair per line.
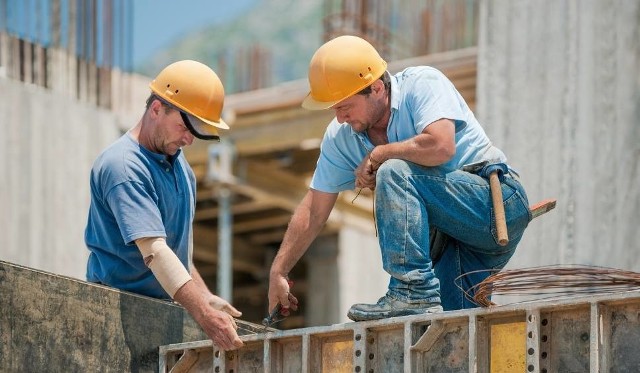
411, 198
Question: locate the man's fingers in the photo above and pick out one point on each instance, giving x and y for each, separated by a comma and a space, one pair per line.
231, 310
293, 302
227, 339
284, 301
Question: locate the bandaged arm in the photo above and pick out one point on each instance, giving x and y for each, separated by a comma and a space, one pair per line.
164, 263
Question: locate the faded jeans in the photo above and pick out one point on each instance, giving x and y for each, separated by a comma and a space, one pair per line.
411, 198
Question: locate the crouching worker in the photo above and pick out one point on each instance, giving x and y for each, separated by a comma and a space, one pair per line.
407, 136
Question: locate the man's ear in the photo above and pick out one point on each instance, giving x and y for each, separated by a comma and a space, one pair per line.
378, 86
155, 107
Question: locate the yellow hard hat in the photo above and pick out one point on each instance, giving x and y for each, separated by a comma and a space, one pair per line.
197, 91
341, 68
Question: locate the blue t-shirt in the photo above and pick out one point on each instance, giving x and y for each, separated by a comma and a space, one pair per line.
419, 96
136, 193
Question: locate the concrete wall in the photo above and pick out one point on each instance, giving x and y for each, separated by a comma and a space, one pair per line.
48, 142
559, 91
51, 323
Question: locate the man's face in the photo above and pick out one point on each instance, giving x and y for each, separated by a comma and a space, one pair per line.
171, 132
353, 112
361, 112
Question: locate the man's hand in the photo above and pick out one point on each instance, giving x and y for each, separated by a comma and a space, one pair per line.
280, 292
214, 319
222, 305
366, 174
221, 328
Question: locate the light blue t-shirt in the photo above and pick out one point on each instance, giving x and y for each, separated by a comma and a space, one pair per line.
419, 96
136, 193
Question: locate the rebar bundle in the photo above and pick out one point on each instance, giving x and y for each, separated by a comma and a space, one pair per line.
551, 281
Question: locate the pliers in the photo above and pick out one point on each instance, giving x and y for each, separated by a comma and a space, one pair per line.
279, 312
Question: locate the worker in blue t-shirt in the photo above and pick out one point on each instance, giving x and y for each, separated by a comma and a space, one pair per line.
407, 137
139, 231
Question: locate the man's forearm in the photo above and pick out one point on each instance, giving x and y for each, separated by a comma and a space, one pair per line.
295, 243
199, 282
433, 147
190, 297
307, 222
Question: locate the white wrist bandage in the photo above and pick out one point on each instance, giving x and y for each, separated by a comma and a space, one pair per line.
164, 264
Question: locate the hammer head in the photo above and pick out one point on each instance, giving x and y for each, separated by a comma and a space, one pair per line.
474, 168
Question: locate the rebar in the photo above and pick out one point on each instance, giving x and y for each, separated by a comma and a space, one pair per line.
550, 281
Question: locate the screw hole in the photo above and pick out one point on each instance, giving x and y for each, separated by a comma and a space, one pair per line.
545, 322
530, 368
584, 337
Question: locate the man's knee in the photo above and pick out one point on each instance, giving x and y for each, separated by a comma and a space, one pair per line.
400, 169
393, 168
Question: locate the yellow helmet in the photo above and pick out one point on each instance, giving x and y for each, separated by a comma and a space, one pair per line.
197, 91
341, 68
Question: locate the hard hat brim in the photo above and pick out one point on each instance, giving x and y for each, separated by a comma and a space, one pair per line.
310, 103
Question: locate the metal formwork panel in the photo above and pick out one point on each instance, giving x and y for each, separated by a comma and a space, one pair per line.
595, 334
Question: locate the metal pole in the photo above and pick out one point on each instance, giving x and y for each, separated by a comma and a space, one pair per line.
225, 224
220, 173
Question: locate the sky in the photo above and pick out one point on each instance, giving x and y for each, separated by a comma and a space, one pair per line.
157, 23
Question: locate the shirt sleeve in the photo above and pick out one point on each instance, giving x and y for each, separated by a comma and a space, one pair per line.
136, 212
330, 177
339, 157
433, 97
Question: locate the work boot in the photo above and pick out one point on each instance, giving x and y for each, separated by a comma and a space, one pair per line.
390, 307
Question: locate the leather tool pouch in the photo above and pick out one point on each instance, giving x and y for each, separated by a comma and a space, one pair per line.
437, 243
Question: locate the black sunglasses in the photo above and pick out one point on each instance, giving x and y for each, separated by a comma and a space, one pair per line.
187, 122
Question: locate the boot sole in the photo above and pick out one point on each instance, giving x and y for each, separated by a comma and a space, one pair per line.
368, 316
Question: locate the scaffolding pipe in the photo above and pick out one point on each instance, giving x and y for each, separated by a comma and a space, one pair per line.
224, 243
219, 172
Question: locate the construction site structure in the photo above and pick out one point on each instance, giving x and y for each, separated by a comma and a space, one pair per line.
547, 75
590, 334
55, 323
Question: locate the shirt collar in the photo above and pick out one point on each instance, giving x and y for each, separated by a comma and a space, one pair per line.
395, 93
160, 158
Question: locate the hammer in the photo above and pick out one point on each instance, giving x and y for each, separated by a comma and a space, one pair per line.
483, 168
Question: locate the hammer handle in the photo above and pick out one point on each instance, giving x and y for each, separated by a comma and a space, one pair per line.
498, 208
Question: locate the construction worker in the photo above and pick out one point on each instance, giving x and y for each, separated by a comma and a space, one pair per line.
139, 231
407, 137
